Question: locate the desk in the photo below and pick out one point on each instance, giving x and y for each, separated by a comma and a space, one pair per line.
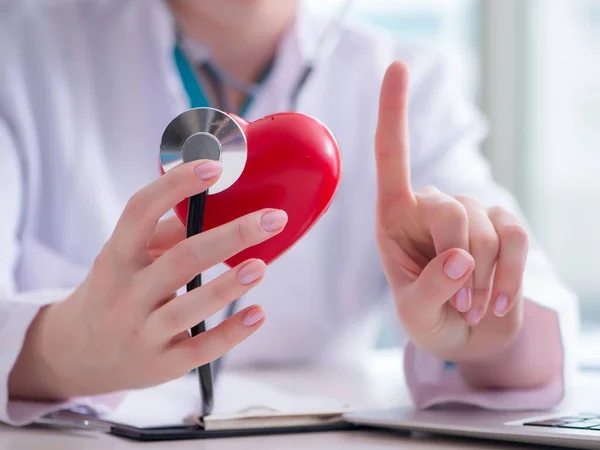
376, 384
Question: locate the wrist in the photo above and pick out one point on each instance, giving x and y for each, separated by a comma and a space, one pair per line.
41, 369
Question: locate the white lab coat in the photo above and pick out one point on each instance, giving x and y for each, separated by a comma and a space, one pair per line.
86, 90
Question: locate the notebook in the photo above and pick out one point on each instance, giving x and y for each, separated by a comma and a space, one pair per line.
240, 404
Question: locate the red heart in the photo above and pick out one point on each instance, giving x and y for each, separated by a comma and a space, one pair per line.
293, 164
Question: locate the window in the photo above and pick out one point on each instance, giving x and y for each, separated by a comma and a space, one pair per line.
561, 152
448, 25
541, 84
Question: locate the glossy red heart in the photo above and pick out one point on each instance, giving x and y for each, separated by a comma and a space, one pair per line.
293, 164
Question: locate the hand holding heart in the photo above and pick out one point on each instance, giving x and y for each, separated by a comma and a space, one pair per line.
455, 267
123, 328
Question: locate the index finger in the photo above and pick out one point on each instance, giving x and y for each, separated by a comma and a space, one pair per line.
391, 139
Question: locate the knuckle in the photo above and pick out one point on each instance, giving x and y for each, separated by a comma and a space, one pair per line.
136, 206
127, 252
466, 199
139, 337
514, 234
452, 211
245, 234
102, 263
113, 261
486, 242
171, 320
221, 293
461, 198
469, 202
495, 212
185, 258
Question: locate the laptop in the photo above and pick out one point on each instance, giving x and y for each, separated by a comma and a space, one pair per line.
568, 429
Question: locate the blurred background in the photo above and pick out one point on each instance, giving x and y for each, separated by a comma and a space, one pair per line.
533, 67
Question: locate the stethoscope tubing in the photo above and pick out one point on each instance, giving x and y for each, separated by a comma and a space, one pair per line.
208, 373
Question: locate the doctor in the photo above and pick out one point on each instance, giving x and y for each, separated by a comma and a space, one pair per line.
88, 268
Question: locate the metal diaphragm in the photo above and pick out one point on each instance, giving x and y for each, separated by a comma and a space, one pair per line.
206, 133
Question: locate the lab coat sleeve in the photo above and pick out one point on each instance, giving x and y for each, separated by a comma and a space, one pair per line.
17, 310
446, 134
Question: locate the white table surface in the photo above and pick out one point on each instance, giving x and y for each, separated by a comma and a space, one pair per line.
377, 384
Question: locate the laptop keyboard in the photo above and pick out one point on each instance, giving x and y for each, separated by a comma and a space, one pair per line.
579, 422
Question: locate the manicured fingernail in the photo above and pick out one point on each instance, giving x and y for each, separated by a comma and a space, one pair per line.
273, 221
251, 272
501, 305
463, 299
208, 170
457, 266
253, 316
474, 316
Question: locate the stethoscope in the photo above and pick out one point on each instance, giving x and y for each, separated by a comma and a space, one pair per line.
219, 79
210, 133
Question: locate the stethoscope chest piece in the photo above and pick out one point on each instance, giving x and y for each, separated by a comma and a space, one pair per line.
206, 133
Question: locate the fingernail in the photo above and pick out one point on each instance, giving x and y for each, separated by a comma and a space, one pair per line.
474, 316
463, 299
253, 316
501, 305
457, 266
208, 170
273, 221
251, 272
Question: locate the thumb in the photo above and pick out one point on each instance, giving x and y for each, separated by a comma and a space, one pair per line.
423, 301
